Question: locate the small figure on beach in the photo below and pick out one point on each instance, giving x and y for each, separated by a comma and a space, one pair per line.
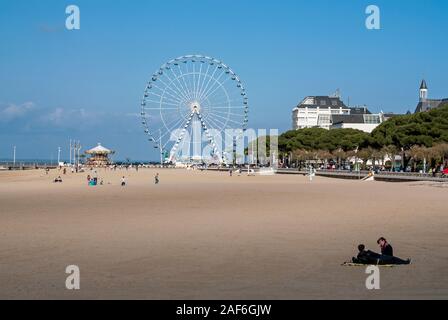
88, 179
58, 179
231, 172
385, 258
123, 181
385, 247
156, 178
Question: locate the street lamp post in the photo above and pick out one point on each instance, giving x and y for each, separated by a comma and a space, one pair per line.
14, 157
160, 148
70, 152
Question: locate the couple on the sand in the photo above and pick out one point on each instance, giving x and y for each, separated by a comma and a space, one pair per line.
386, 256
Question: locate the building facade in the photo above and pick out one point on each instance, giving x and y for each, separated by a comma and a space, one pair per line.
363, 122
329, 112
425, 104
316, 111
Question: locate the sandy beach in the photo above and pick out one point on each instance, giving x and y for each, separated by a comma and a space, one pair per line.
205, 235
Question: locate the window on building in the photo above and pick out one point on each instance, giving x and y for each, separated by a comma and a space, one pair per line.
308, 101
372, 119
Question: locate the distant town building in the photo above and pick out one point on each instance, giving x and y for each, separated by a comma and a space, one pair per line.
426, 104
364, 122
329, 112
316, 111
99, 156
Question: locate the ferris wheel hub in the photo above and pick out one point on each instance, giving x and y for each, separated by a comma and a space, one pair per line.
195, 107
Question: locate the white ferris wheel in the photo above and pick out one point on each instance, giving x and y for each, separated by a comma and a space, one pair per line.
192, 91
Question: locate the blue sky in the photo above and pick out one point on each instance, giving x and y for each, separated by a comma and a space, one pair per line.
57, 84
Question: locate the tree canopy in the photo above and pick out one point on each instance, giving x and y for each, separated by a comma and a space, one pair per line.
421, 129
322, 139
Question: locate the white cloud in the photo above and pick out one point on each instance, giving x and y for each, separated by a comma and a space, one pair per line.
13, 111
71, 117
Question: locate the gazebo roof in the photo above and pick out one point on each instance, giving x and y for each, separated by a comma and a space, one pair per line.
99, 149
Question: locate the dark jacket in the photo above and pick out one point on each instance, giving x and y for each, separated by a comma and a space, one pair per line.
367, 257
387, 250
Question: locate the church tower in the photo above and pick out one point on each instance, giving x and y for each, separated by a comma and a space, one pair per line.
423, 91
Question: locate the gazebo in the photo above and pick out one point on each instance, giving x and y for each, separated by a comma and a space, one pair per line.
99, 156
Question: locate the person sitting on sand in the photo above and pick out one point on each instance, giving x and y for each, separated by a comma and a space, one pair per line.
386, 248
58, 179
387, 253
156, 178
123, 181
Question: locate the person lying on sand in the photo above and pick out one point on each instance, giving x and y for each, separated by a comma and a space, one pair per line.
366, 256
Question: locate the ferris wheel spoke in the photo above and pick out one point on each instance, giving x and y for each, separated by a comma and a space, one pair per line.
182, 124
180, 91
226, 102
206, 74
184, 90
182, 76
221, 85
230, 113
209, 80
221, 117
173, 92
215, 83
191, 78
173, 125
228, 107
194, 80
217, 127
210, 87
159, 108
199, 81
162, 96
187, 78
227, 119
219, 124
158, 103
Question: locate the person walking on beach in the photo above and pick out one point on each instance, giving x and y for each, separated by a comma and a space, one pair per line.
156, 178
230, 172
123, 181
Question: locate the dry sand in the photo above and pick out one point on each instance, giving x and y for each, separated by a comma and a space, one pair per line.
205, 235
